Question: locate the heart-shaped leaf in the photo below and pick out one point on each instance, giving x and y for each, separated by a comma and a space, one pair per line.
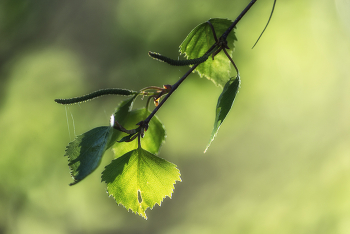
153, 139
86, 151
139, 179
199, 41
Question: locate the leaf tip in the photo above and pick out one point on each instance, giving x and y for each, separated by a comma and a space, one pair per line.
210, 141
73, 183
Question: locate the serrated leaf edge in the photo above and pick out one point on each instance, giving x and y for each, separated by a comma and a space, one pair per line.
190, 36
71, 171
156, 203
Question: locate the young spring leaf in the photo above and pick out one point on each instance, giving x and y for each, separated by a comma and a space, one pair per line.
224, 105
200, 40
86, 151
138, 180
121, 114
154, 136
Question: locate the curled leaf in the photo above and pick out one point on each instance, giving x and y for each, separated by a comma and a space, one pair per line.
224, 105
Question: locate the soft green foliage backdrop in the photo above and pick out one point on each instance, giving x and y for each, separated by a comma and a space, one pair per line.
280, 163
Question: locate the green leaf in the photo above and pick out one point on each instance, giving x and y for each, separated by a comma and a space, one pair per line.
121, 114
138, 180
224, 105
200, 40
154, 136
86, 151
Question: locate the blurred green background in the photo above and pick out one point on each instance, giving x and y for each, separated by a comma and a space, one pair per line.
280, 163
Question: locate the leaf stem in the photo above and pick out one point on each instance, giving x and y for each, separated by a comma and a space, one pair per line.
233, 63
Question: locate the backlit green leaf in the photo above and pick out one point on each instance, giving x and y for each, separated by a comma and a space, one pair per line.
86, 151
121, 114
154, 136
224, 105
138, 180
200, 40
